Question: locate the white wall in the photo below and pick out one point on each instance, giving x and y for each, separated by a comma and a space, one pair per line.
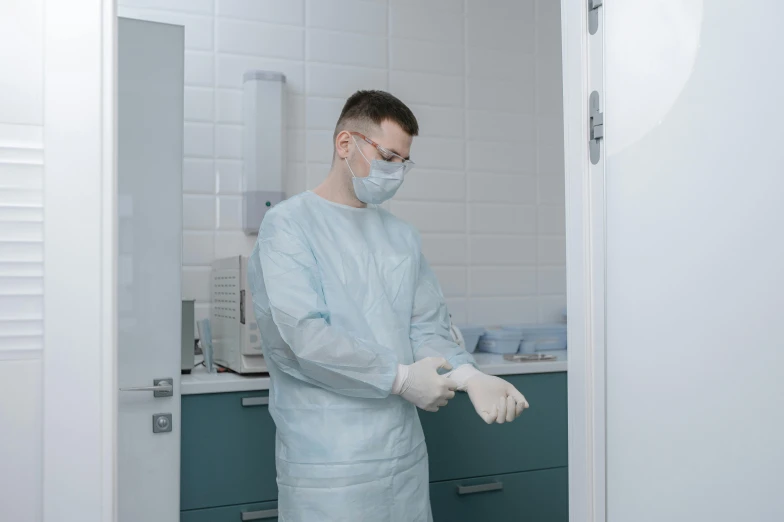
21, 258
483, 78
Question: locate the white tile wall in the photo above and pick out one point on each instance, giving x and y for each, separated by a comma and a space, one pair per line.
483, 78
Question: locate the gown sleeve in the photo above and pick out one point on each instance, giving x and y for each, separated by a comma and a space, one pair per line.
286, 285
430, 336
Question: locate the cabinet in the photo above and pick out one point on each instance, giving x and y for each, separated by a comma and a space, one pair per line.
478, 472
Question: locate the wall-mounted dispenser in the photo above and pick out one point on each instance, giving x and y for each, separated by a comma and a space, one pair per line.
264, 137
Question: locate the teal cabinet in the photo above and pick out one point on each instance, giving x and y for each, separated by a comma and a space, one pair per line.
461, 445
228, 450
267, 511
478, 472
533, 496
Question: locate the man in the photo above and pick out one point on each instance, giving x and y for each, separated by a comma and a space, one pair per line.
355, 330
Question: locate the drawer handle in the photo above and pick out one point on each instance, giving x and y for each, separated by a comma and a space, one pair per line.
260, 515
254, 401
481, 488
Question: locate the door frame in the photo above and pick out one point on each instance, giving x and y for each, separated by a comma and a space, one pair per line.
80, 238
583, 72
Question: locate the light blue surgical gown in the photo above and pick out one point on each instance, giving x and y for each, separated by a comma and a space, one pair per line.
343, 295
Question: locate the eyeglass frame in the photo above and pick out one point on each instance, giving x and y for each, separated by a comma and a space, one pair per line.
384, 151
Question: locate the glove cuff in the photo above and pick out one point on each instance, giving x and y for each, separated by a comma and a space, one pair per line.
462, 374
400, 379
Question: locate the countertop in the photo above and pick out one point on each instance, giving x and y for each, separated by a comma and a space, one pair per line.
199, 381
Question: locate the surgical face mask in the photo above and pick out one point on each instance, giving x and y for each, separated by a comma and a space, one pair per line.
381, 183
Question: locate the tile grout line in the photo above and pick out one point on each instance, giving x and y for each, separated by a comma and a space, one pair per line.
468, 281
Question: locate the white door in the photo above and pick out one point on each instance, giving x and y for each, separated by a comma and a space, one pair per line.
150, 141
695, 260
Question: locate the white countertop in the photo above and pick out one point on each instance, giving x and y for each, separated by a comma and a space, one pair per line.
199, 381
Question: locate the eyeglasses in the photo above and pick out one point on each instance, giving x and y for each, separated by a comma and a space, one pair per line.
387, 154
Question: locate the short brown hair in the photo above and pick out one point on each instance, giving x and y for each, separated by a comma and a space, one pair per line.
367, 108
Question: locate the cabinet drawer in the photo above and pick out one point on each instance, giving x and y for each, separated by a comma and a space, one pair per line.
461, 445
263, 512
533, 496
228, 450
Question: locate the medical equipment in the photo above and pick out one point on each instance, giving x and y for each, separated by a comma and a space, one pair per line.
235, 335
205, 341
187, 342
499, 340
467, 337
529, 357
540, 337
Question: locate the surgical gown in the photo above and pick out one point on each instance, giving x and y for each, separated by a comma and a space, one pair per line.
342, 295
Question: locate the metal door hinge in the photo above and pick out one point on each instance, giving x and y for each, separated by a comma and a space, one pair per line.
595, 127
593, 15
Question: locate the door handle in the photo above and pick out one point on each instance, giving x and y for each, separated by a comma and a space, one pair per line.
260, 515
480, 488
159, 388
255, 401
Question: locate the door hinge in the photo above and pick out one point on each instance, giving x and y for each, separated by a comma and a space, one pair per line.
595, 127
593, 15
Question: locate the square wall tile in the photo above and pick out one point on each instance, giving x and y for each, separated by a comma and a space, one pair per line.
198, 140
290, 12
506, 9
423, 88
551, 159
551, 221
433, 185
500, 157
438, 153
439, 122
552, 190
198, 212
322, 113
360, 50
229, 176
501, 126
259, 39
494, 29
320, 147
492, 311
295, 146
434, 20
315, 174
198, 176
501, 219
295, 111
431, 217
503, 281
445, 249
427, 57
551, 309
198, 248
196, 283
549, 87
488, 187
230, 106
501, 95
229, 213
342, 82
458, 309
198, 104
487, 250
552, 250
551, 280
500, 64
348, 16
229, 144
452, 280
550, 131
199, 69
229, 244
190, 6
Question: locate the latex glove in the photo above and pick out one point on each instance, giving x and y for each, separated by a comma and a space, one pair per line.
494, 399
421, 385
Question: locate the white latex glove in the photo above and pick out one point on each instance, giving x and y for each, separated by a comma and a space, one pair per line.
494, 399
420, 383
